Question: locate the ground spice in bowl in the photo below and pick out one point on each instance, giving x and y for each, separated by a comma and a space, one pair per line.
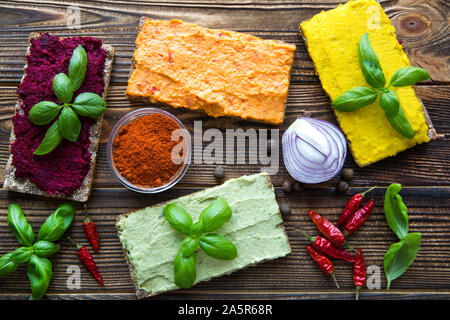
142, 150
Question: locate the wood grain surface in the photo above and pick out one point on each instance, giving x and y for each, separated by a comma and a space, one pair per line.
424, 171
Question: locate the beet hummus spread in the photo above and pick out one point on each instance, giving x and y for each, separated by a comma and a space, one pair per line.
64, 169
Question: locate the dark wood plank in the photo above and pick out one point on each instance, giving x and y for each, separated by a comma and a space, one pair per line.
426, 164
422, 27
250, 295
428, 210
424, 170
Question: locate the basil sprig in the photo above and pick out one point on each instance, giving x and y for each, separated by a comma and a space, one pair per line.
68, 125
403, 253
360, 97
39, 268
198, 235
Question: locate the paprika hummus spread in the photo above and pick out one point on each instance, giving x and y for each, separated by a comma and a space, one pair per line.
222, 73
150, 243
332, 38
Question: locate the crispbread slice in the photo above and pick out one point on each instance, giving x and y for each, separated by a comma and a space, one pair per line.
152, 100
24, 185
242, 188
431, 132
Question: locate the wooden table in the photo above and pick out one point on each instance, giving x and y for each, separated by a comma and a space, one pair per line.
424, 171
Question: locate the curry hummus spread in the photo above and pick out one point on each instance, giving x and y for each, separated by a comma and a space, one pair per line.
332, 38
223, 73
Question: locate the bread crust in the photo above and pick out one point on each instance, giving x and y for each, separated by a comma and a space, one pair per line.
24, 185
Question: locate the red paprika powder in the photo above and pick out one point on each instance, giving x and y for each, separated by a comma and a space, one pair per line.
142, 150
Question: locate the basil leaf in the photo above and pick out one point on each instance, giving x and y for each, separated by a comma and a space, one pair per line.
217, 246
44, 112
39, 273
19, 225
365, 51
66, 212
7, 265
57, 223
78, 67
178, 218
196, 230
51, 140
22, 255
395, 211
389, 103
400, 256
188, 246
69, 124
401, 124
62, 86
373, 74
215, 215
408, 76
89, 105
184, 270
45, 248
355, 99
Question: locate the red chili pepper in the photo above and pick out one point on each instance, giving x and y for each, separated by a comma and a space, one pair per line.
329, 230
88, 261
352, 206
91, 233
325, 246
359, 272
323, 263
358, 218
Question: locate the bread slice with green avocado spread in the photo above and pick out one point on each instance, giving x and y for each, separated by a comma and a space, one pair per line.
256, 228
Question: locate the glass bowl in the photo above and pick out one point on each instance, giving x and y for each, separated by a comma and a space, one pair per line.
129, 117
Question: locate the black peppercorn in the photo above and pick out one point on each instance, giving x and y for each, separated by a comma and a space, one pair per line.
285, 210
219, 173
347, 174
287, 186
342, 187
298, 187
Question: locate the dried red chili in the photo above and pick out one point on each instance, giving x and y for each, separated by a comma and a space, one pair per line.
359, 272
88, 261
352, 206
325, 246
91, 233
329, 230
358, 218
323, 263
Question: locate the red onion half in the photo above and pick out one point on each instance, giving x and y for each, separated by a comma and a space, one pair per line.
314, 150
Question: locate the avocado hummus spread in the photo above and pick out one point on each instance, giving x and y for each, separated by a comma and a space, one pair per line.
151, 244
332, 38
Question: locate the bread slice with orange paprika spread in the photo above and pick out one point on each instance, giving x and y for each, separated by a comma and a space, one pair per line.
219, 72
46, 56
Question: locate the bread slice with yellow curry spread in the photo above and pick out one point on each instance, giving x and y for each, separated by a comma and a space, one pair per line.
332, 39
150, 243
219, 72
